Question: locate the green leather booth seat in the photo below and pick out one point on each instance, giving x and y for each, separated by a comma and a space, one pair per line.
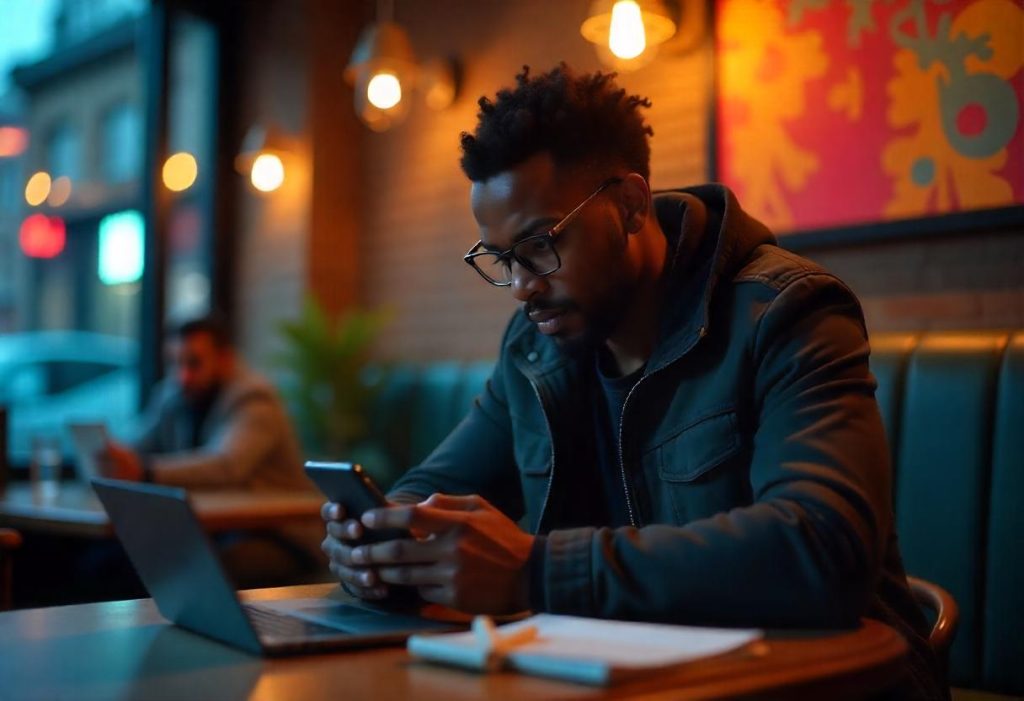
418, 405
953, 408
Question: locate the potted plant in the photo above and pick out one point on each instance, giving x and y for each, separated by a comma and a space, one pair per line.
328, 385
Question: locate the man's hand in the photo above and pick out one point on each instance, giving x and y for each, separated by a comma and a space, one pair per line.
119, 462
467, 554
363, 582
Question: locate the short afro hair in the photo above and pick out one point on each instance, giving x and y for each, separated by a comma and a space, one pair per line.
581, 120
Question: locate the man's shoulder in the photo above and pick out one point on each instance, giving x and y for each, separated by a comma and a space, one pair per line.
776, 268
248, 385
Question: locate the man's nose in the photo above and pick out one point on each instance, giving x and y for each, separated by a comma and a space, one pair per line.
525, 284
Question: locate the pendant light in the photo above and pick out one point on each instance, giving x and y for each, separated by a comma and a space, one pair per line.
626, 33
383, 71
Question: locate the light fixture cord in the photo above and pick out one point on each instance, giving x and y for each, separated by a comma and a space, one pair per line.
385, 10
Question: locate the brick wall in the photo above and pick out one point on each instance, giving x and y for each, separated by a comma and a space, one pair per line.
970, 281
273, 231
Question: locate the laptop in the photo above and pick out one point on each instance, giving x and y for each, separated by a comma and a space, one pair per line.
179, 567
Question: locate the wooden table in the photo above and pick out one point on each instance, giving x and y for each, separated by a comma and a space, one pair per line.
76, 510
124, 650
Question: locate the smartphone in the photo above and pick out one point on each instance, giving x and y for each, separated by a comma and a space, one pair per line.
351, 486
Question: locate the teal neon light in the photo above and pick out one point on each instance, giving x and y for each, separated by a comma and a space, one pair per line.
121, 254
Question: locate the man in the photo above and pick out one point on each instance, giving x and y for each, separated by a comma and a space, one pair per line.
212, 424
681, 426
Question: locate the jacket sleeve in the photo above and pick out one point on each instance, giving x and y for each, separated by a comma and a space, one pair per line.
808, 549
476, 457
230, 458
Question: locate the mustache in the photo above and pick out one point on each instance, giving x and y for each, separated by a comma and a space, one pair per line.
542, 305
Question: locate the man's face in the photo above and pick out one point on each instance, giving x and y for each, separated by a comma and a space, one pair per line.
199, 365
581, 303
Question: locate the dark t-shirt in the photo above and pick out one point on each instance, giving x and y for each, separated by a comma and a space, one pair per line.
611, 392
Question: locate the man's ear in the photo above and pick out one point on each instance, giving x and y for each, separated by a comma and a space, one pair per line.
635, 200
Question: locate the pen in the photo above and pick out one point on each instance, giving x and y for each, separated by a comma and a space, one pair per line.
495, 645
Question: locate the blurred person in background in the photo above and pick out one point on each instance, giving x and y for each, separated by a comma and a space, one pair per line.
212, 423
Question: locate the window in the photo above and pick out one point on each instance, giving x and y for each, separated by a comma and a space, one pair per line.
64, 152
122, 143
8, 184
79, 317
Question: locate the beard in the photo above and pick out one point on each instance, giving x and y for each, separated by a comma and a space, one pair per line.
599, 318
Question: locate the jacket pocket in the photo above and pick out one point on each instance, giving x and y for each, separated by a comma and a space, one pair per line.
699, 447
533, 451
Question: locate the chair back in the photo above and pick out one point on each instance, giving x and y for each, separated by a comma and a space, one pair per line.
10, 540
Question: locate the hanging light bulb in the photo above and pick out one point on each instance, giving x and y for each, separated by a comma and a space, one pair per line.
265, 151
383, 70
626, 33
267, 172
626, 36
384, 90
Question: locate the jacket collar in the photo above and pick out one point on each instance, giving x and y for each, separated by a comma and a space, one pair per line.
709, 237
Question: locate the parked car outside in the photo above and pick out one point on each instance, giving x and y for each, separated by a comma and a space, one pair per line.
50, 378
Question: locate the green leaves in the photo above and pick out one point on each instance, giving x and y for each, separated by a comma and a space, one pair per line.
328, 388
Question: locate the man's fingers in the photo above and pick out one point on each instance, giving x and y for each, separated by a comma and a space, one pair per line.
450, 502
361, 578
332, 512
416, 575
413, 517
345, 530
401, 551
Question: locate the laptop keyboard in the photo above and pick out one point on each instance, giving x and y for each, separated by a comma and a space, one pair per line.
279, 625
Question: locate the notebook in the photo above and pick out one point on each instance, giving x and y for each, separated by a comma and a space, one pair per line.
584, 650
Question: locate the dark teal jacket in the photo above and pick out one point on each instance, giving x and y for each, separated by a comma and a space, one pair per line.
752, 456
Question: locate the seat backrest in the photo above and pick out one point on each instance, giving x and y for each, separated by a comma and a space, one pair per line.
890, 354
476, 376
438, 394
1003, 658
941, 411
392, 412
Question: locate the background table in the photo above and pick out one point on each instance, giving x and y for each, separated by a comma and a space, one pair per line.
124, 650
76, 510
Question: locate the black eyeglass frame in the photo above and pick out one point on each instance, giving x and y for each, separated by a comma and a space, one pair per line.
550, 234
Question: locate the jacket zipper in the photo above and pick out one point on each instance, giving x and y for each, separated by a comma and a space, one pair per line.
551, 440
622, 422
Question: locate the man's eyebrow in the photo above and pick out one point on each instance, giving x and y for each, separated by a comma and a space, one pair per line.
537, 226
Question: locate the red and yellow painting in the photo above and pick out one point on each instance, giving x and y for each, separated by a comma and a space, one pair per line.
835, 113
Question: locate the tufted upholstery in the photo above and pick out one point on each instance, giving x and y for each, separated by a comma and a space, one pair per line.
953, 407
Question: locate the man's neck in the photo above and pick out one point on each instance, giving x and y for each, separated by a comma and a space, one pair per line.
632, 341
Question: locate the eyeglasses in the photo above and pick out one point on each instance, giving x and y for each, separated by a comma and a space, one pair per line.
536, 253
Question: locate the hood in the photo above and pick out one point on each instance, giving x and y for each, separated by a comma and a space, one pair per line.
710, 238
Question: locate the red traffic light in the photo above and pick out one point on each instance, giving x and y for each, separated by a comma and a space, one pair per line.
41, 236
